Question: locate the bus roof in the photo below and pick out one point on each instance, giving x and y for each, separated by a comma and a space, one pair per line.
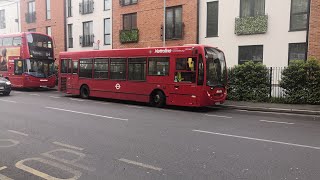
21, 34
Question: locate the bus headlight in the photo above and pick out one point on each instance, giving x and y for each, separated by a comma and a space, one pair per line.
8, 83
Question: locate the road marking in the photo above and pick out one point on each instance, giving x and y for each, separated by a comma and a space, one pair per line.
17, 132
3, 177
228, 117
55, 97
13, 143
74, 99
2, 168
289, 114
34, 95
256, 139
68, 146
130, 106
140, 164
84, 113
279, 122
8, 101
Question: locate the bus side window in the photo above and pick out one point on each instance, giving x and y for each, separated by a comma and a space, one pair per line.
64, 66
75, 67
185, 70
0, 41
200, 71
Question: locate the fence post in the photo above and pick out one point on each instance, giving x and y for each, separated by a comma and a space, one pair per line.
270, 78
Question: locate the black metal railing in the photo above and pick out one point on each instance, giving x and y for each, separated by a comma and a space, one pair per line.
86, 7
87, 40
31, 17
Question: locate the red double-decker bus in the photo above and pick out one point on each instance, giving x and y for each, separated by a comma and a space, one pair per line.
191, 75
27, 60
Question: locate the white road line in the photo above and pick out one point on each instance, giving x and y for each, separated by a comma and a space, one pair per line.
279, 122
8, 101
256, 139
17, 132
55, 97
2, 168
68, 146
228, 117
289, 114
74, 99
34, 94
140, 164
89, 114
130, 106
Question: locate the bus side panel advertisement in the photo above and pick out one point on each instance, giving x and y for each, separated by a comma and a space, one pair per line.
7, 54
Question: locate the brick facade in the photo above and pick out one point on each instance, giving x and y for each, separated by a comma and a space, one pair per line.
56, 22
150, 20
314, 29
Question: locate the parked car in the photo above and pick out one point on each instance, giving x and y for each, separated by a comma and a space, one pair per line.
5, 86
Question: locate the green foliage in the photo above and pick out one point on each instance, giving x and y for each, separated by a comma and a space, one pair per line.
129, 36
249, 82
301, 82
251, 25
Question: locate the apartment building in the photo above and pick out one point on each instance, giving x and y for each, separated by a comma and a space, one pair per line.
140, 23
47, 17
9, 16
89, 24
272, 32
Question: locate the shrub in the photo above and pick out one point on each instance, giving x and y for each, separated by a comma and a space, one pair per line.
301, 82
248, 82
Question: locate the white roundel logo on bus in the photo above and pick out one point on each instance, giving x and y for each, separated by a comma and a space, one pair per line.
118, 86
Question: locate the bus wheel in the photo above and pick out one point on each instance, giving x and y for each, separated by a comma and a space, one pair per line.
84, 92
158, 99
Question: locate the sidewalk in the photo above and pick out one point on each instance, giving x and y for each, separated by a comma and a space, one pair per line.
272, 107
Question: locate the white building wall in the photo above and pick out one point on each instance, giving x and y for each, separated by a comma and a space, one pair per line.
12, 13
97, 18
275, 42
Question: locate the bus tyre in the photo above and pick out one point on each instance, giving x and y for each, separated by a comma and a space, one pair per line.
158, 99
84, 92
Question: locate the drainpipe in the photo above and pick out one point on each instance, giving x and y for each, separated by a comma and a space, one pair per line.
198, 23
308, 29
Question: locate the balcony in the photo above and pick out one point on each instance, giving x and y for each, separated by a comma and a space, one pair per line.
251, 25
129, 36
87, 40
31, 17
86, 7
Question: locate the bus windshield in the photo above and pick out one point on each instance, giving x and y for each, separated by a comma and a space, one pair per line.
216, 68
39, 68
40, 46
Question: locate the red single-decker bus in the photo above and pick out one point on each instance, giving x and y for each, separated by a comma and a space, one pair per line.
27, 60
190, 75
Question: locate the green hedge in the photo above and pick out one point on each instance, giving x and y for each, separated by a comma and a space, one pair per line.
249, 82
301, 82
251, 25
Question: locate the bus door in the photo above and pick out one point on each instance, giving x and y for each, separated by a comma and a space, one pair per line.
74, 77
65, 74
185, 90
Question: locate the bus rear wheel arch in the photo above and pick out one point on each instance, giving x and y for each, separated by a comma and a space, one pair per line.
157, 98
84, 91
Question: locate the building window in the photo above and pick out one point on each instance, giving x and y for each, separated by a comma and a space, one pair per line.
31, 14
107, 30
297, 51
32, 30
2, 19
252, 8
107, 5
212, 18
86, 7
70, 36
299, 15
128, 2
130, 21
251, 53
159, 66
118, 69
137, 69
85, 68
101, 68
48, 9
88, 37
69, 6
174, 25
48, 29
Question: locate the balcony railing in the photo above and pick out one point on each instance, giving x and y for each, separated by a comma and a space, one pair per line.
86, 7
251, 25
31, 17
129, 36
87, 40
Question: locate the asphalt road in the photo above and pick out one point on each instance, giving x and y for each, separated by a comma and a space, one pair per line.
46, 135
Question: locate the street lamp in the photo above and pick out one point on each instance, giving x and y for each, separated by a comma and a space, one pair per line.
164, 23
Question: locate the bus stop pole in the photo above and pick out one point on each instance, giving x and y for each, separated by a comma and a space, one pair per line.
164, 23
